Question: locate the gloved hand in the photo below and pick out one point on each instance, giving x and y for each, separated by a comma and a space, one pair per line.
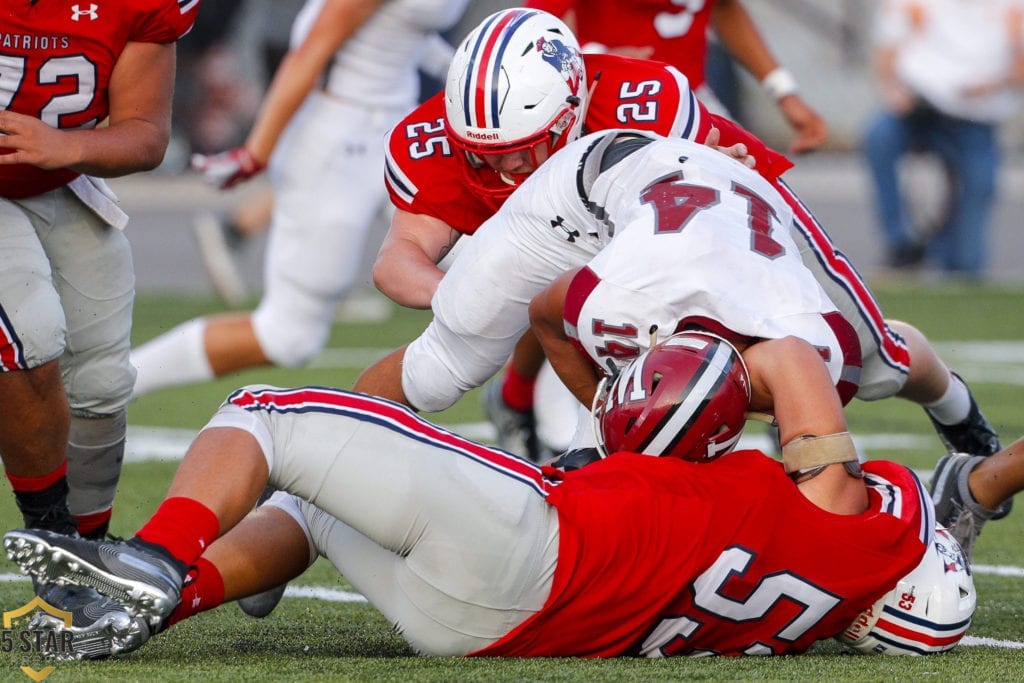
227, 169
575, 458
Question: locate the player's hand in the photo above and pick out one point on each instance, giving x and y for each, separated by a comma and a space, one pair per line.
27, 140
810, 128
575, 458
229, 168
738, 151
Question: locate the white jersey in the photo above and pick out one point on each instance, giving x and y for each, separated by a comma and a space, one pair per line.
698, 240
578, 203
378, 64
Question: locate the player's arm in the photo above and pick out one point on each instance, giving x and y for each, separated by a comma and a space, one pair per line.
789, 378
740, 35
295, 78
572, 366
136, 136
406, 267
301, 68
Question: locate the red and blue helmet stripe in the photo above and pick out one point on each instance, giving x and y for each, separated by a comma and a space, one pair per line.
480, 96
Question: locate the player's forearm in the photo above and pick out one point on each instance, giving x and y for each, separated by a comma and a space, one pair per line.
406, 276
788, 378
737, 31
129, 146
574, 368
290, 87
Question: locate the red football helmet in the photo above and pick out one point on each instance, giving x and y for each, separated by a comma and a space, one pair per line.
685, 397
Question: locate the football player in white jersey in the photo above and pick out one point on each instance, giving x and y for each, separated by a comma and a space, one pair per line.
431, 212
350, 75
696, 242
576, 207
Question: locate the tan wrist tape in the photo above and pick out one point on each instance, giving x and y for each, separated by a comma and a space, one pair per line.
814, 451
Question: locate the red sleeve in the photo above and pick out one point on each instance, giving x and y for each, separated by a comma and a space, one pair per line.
423, 176
163, 21
770, 164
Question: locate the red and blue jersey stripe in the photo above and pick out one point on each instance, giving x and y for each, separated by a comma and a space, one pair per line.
392, 416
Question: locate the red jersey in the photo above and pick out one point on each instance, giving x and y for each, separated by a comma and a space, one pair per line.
661, 557
57, 58
423, 175
676, 30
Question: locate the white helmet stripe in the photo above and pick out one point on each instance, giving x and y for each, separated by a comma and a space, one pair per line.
480, 93
711, 374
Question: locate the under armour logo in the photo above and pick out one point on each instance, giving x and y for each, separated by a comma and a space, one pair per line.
77, 12
570, 233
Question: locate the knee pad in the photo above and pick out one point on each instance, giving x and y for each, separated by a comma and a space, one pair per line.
38, 329
291, 339
440, 366
98, 381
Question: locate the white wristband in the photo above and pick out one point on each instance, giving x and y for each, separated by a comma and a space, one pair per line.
779, 83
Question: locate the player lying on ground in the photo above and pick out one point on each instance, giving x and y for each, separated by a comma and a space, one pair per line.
468, 550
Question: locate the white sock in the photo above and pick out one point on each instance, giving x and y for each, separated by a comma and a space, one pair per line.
954, 405
174, 358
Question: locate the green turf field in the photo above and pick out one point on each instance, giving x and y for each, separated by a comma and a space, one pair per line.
980, 331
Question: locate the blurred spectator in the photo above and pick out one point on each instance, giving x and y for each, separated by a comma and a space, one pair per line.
946, 72
676, 33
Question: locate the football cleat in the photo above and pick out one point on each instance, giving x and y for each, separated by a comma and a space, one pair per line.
148, 585
973, 436
100, 627
955, 507
516, 429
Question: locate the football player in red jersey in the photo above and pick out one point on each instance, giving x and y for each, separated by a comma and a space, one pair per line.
468, 550
677, 33
66, 280
453, 161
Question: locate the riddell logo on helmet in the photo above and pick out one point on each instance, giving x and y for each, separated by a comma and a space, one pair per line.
483, 136
862, 625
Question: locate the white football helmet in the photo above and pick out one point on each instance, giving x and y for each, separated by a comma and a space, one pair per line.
517, 85
928, 611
